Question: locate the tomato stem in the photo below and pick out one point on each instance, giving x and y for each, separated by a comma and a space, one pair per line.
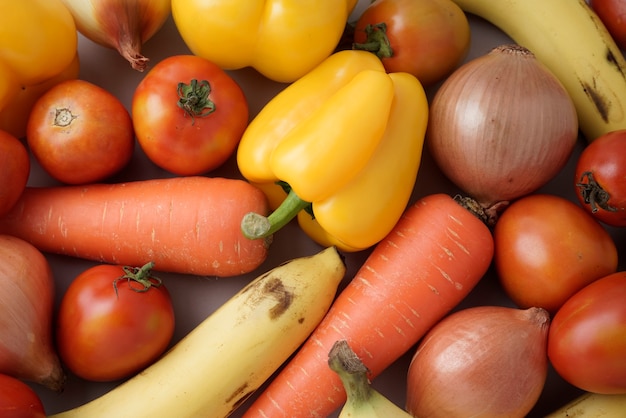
593, 194
142, 275
193, 98
377, 41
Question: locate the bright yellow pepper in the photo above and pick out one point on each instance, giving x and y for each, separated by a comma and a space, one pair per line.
281, 39
346, 141
38, 42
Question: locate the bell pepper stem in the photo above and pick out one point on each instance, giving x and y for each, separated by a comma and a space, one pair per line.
376, 42
254, 225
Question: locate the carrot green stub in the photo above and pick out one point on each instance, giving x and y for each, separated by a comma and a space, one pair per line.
430, 261
351, 158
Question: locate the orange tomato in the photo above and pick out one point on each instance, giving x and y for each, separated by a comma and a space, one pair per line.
14, 170
80, 133
547, 248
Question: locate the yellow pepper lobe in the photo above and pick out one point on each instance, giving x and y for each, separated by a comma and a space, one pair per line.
364, 211
292, 106
329, 149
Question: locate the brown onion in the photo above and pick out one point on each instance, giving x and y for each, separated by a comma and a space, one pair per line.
486, 361
124, 25
501, 126
26, 299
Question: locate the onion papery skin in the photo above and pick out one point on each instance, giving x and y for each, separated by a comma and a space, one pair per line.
123, 25
486, 361
501, 126
27, 350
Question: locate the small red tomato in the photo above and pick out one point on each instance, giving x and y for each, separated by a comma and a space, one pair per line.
18, 400
113, 321
600, 178
587, 338
80, 133
189, 115
547, 248
14, 170
426, 38
613, 14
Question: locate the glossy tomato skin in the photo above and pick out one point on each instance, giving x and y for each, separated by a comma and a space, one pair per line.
600, 178
547, 248
613, 15
14, 170
104, 336
80, 133
18, 400
587, 338
174, 139
429, 38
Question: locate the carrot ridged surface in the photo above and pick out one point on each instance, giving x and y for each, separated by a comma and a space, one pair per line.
185, 225
426, 266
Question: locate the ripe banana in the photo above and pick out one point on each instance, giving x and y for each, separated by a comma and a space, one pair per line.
231, 353
570, 39
593, 405
362, 401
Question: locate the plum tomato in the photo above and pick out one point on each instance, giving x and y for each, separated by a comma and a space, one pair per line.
613, 14
14, 170
426, 38
80, 133
587, 337
600, 178
547, 248
189, 115
18, 400
113, 321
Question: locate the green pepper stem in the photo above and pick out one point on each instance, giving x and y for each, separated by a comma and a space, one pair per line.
376, 42
254, 225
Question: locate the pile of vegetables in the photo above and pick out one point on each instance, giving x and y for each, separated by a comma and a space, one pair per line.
416, 176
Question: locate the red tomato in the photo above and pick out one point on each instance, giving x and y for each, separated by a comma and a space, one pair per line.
601, 178
613, 15
14, 170
104, 334
18, 400
547, 248
80, 133
189, 115
426, 38
587, 339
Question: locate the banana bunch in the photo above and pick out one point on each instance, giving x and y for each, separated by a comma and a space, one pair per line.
363, 401
231, 353
570, 39
593, 405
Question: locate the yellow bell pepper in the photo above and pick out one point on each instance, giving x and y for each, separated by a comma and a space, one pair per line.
345, 143
281, 39
38, 42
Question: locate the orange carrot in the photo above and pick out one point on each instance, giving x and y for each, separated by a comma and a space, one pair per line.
426, 266
185, 224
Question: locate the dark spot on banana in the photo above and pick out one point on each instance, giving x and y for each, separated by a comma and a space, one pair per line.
276, 289
611, 59
240, 395
600, 102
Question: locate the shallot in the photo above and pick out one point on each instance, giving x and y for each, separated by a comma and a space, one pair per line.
501, 126
26, 297
485, 361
